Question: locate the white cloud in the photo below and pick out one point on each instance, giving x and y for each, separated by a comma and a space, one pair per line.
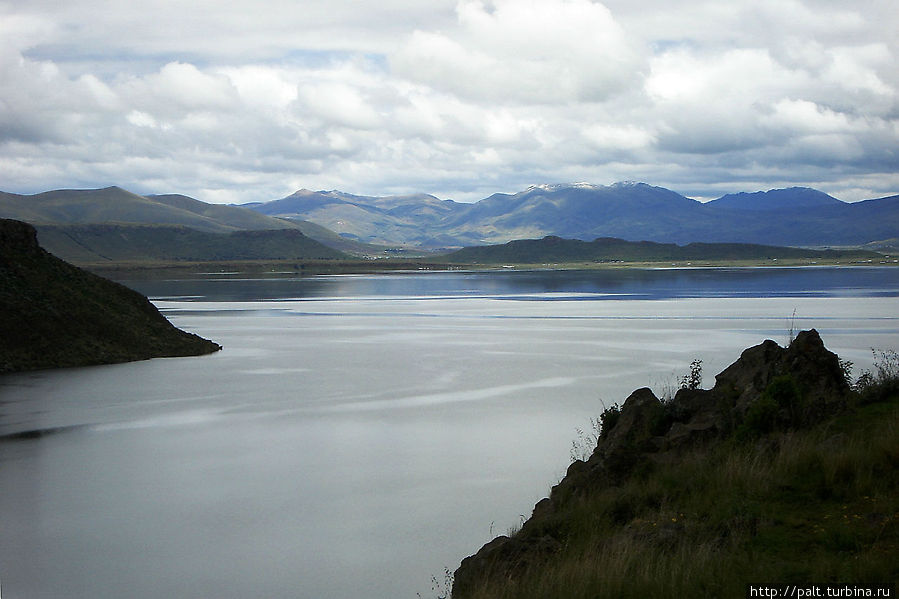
459, 99
142, 119
807, 117
338, 103
740, 76
263, 87
855, 68
540, 51
178, 88
616, 137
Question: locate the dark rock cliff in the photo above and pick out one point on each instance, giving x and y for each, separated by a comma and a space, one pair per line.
53, 314
769, 387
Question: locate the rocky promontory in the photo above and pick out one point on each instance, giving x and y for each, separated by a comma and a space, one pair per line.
781, 469
53, 314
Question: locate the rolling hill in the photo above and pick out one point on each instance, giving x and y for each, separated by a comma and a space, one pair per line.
115, 225
116, 205
99, 243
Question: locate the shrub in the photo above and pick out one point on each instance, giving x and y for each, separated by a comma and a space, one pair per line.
586, 440
884, 381
693, 379
785, 393
608, 419
846, 367
780, 404
760, 418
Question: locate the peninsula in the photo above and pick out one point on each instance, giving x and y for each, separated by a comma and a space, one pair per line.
53, 314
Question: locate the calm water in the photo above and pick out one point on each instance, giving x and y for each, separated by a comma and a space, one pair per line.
359, 434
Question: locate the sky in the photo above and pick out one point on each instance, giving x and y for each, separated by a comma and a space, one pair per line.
251, 100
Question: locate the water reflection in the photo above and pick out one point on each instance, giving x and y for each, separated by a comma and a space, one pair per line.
613, 284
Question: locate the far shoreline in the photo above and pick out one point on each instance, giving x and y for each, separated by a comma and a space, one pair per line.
280, 268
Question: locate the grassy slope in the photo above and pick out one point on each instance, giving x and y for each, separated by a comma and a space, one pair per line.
231, 216
815, 506
141, 243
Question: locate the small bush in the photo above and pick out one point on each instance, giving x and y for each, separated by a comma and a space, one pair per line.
846, 367
785, 393
779, 406
883, 382
760, 419
693, 379
886, 364
608, 419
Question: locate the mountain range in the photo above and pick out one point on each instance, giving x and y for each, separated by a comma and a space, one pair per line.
113, 224
632, 211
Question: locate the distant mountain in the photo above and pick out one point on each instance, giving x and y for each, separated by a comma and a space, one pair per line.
425, 221
557, 250
53, 314
794, 198
632, 211
391, 220
629, 210
395, 225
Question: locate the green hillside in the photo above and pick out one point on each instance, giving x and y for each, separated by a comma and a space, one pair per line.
137, 243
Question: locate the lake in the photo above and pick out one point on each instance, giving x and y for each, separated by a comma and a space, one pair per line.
360, 434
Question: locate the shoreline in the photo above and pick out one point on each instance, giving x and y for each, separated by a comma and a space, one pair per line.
385, 266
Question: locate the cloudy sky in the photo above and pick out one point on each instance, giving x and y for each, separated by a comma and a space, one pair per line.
251, 100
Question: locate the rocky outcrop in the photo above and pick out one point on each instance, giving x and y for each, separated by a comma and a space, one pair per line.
53, 314
768, 387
